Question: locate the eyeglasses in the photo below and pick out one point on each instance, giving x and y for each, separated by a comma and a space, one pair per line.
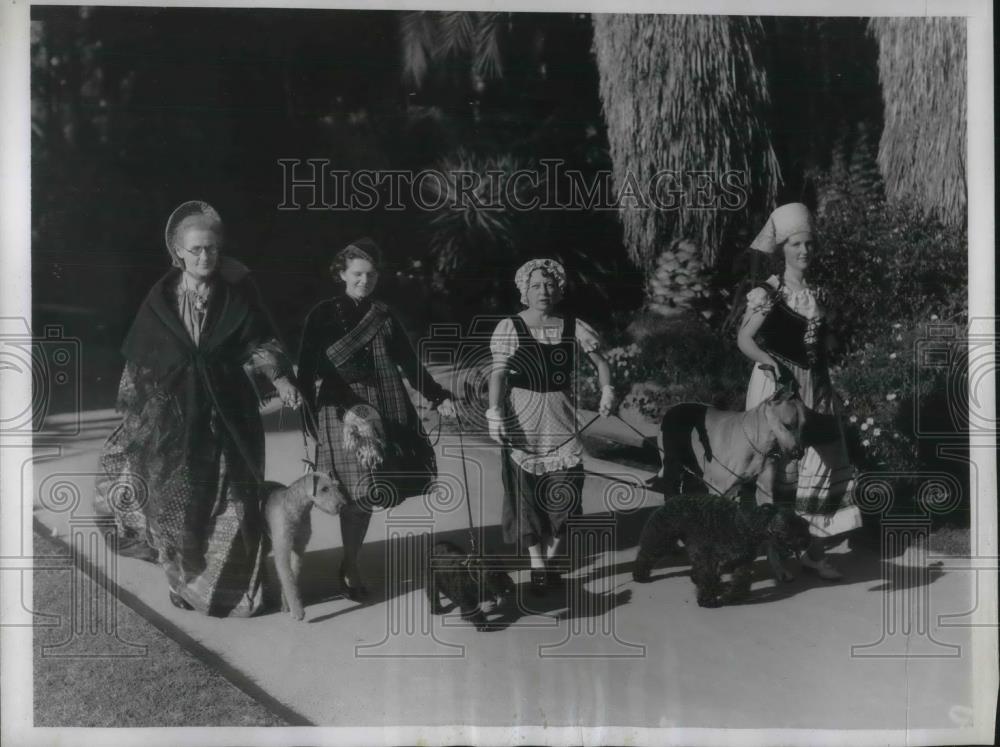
198, 250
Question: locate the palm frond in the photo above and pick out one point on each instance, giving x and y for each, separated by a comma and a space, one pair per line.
457, 33
417, 38
488, 63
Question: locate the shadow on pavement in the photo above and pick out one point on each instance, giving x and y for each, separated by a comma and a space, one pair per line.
319, 582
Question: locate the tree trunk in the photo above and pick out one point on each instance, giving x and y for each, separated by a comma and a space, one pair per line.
922, 67
685, 93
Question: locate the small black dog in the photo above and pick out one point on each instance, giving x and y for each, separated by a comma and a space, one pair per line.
466, 582
720, 538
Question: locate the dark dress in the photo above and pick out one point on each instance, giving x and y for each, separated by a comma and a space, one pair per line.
369, 376
543, 479
181, 474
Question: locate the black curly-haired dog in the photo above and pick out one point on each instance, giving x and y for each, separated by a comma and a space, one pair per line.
720, 538
476, 589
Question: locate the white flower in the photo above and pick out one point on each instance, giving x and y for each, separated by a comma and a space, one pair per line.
899, 338
892, 356
870, 421
847, 402
877, 432
934, 317
854, 418
891, 396
897, 325
864, 426
866, 442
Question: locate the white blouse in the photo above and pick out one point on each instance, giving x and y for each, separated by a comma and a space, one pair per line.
505, 338
806, 301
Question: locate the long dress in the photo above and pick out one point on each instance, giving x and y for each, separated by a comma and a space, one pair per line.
181, 474
370, 375
821, 484
542, 469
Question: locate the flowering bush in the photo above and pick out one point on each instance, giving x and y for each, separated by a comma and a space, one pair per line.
898, 410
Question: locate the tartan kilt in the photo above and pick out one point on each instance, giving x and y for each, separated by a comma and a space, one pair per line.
335, 459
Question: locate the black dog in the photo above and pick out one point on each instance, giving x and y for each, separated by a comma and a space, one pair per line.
466, 582
720, 538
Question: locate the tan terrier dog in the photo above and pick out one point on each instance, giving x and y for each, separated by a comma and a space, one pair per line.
288, 513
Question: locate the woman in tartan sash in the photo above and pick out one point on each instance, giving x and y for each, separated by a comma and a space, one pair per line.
354, 347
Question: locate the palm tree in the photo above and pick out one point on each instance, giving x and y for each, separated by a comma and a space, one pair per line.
679, 93
684, 93
922, 68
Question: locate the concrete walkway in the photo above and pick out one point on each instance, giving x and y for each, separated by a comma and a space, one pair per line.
605, 652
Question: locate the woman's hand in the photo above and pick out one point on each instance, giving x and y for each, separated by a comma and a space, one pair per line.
288, 393
498, 432
607, 405
447, 408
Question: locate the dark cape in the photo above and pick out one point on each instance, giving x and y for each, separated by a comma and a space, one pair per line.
181, 473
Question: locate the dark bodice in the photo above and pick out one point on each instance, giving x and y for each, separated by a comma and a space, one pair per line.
543, 367
788, 335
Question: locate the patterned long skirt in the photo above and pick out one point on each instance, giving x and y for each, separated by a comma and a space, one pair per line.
193, 508
821, 484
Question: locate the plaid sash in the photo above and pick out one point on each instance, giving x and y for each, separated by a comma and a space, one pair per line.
341, 352
379, 373
410, 465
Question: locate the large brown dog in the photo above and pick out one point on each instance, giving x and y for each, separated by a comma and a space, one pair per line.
719, 450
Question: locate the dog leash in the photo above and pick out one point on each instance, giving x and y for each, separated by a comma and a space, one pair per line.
465, 480
750, 440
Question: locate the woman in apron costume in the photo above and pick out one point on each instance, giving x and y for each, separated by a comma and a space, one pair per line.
786, 323
354, 347
532, 415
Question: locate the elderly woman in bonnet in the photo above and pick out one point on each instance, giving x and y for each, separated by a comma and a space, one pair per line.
532, 414
182, 472
357, 352
785, 329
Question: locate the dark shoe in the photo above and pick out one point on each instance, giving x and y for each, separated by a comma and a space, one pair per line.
539, 582
178, 601
357, 593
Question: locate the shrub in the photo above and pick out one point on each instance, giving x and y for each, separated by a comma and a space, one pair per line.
904, 394
871, 253
680, 360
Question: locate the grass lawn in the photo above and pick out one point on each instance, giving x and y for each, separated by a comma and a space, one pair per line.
165, 687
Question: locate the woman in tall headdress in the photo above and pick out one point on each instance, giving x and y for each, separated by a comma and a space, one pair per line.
532, 414
182, 472
786, 327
